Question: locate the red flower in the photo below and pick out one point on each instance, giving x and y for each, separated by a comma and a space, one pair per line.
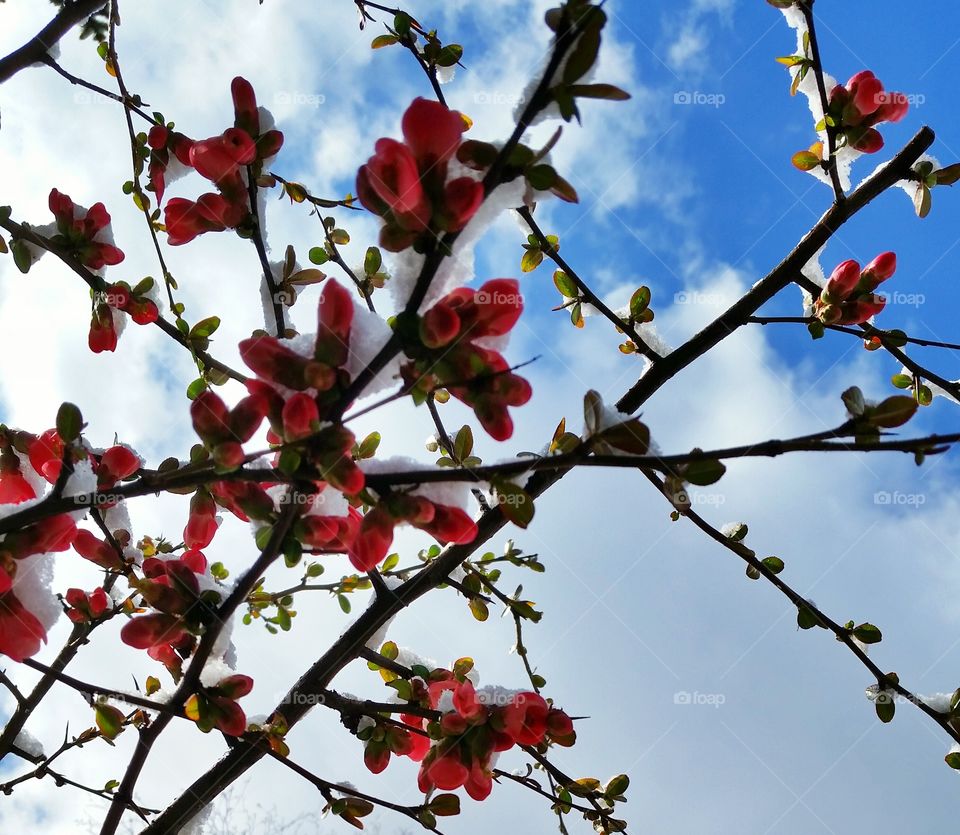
185, 219
103, 334
405, 182
78, 235
49, 536
473, 374
86, 607
202, 524
848, 297
862, 103
373, 540
21, 634
14, 488
46, 455
152, 630
300, 417
97, 551
525, 718
116, 464
431, 131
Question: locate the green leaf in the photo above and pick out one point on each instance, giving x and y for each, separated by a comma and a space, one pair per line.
805, 160
344, 602
109, 720
205, 328
953, 759
631, 436
892, 412
608, 92
449, 55
584, 54
69, 422
445, 805
853, 400
532, 259
949, 175
196, 388
478, 609
372, 261
639, 302
383, 40
565, 284
806, 619
774, 564
867, 633
703, 473
318, 255
541, 177
21, 255
885, 706
617, 786
902, 381
368, 447
463, 444
515, 503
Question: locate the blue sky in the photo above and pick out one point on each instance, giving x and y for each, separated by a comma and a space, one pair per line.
696, 201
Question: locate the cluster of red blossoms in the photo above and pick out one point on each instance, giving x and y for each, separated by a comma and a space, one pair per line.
130, 300
862, 103
406, 182
221, 159
450, 355
457, 750
79, 235
295, 394
171, 588
21, 633
848, 297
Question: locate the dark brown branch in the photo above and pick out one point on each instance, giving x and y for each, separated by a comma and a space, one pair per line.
34, 50
781, 276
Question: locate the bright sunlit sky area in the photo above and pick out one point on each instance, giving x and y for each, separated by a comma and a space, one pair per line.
696, 681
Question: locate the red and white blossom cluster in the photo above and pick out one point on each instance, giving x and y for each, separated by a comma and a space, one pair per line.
21, 632
406, 183
459, 749
222, 159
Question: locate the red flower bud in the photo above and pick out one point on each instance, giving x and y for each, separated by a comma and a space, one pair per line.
21, 634
300, 416
432, 131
